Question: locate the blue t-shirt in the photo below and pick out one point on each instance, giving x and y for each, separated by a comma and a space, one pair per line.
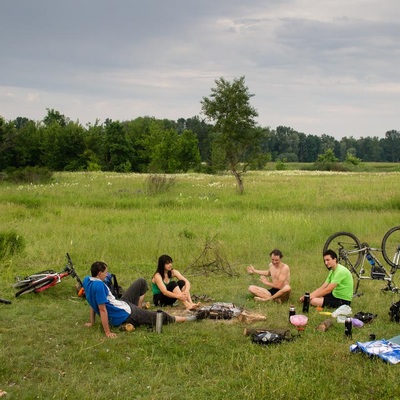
97, 292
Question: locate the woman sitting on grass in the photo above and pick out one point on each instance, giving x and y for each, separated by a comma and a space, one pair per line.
167, 291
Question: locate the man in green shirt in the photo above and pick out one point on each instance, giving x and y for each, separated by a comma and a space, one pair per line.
338, 286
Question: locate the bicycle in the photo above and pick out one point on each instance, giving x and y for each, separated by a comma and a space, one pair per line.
43, 280
353, 254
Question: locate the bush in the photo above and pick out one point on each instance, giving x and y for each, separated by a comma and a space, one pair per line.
10, 244
28, 175
159, 183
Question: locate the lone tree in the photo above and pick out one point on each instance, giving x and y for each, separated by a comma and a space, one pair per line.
237, 139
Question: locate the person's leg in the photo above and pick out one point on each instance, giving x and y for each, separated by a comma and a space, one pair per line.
144, 317
260, 293
282, 294
136, 292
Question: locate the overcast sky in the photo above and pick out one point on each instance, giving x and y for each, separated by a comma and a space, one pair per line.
318, 66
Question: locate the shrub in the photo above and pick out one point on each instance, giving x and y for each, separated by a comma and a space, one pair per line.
157, 183
29, 175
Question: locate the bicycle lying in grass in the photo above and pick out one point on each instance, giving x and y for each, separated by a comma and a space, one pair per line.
45, 279
362, 260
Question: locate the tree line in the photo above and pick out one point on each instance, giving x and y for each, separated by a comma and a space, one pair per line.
147, 144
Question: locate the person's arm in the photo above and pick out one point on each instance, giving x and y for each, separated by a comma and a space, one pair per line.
251, 270
178, 275
277, 283
92, 317
323, 290
104, 320
160, 284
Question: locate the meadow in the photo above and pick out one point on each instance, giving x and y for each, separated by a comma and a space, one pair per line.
46, 352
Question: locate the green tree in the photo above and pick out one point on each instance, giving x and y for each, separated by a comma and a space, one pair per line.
235, 127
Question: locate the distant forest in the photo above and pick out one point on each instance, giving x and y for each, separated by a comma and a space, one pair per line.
147, 144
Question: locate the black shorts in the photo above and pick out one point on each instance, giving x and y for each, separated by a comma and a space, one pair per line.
273, 291
333, 302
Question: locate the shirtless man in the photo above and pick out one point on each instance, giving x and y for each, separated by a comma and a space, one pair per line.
278, 288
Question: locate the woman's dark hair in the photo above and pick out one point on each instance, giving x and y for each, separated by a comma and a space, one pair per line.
162, 260
98, 266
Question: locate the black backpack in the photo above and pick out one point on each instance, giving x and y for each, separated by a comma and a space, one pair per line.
394, 312
271, 336
112, 283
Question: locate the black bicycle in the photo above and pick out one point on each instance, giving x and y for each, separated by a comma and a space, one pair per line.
362, 260
43, 280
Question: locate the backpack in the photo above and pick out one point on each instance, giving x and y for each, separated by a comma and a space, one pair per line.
365, 317
112, 283
271, 336
394, 312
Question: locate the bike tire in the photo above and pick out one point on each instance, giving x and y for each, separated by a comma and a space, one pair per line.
391, 247
346, 246
34, 286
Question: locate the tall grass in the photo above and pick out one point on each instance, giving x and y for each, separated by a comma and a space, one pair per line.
47, 353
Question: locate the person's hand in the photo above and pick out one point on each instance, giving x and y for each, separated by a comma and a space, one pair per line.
250, 269
111, 335
264, 280
88, 324
183, 296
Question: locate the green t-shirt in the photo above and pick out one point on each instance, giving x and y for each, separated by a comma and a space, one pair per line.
344, 280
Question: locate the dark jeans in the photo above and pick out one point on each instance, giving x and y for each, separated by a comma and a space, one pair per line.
138, 315
162, 300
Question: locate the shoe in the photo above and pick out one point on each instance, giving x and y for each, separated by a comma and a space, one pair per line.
191, 318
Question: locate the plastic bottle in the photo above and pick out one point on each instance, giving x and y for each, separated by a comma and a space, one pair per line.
370, 259
159, 321
292, 311
348, 325
306, 302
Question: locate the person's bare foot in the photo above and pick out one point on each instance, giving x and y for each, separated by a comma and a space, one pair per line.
256, 298
194, 306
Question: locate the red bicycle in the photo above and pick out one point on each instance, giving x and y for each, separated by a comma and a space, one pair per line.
45, 279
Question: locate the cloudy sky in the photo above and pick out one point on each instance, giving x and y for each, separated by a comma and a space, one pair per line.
318, 66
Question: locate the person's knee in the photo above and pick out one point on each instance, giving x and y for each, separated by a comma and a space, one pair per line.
144, 286
251, 288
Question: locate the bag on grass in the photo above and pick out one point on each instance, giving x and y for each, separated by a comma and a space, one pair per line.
365, 317
394, 312
271, 336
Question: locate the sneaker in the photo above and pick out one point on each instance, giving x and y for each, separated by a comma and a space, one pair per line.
191, 318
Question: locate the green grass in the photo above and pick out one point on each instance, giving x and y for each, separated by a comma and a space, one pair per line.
47, 353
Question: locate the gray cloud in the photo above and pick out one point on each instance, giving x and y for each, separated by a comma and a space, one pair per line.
317, 66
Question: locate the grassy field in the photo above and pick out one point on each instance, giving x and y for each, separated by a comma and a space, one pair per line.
46, 352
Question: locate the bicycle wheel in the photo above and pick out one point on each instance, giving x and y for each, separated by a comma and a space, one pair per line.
35, 285
347, 247
391, 247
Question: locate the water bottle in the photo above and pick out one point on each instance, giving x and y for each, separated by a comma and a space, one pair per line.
370, 259
292, 311
306, 302
348, 325
159, 321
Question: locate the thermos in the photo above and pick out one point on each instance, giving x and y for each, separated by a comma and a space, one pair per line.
159, 321
306, 302
292, 311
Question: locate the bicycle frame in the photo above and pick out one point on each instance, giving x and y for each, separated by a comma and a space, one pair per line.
376, 269
42, 281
